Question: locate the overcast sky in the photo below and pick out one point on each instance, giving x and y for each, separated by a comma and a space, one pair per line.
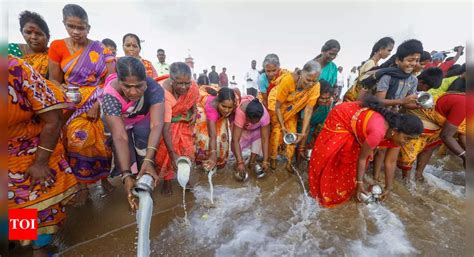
232, 33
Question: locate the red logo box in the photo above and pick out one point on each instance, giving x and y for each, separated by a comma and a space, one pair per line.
23, 224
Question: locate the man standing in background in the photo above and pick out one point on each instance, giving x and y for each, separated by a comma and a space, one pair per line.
352, 77
213, 76
162, 68
223, 79
339, 82
252, 78
203, 79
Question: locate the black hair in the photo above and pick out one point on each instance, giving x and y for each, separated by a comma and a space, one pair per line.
134, 36
330, 44
179, 69
455, 70
409, 47
325, 87
74, 10
432, 77
458, 85
109, 42
425, 56
225, 93
408, 124
254, 110
382, 43
130, 66
27, 16
388, 63
160, 50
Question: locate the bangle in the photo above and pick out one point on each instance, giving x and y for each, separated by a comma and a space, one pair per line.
459, 155
46, 149
148, 160
213, 151
264, 162
359, 182
125, 174
240, 162
151, 147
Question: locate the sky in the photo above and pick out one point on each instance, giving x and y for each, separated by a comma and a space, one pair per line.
230, 34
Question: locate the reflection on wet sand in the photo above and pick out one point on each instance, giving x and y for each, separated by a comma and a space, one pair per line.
273, 217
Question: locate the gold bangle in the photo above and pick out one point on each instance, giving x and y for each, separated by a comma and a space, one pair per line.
359, 182
213, 151
151, 147
264, 162
149, 160
46, 149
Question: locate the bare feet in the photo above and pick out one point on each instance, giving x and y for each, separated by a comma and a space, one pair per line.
166, 188
289, 168
273, 164
419, 178
81, 196
107, 187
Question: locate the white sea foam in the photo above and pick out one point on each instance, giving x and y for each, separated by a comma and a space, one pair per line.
432, 176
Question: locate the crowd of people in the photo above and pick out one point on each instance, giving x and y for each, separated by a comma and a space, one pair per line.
134, 118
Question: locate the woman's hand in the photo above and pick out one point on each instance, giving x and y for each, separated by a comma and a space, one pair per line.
265, 166
149, 168
94, 112
129, 183
40, 174
299, 137
411, 99
241, 167
361, 189
211, 162
385, 194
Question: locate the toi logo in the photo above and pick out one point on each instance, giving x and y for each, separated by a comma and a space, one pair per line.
23, 224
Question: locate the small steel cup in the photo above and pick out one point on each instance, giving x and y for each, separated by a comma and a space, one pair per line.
289, 138
376, 191
145, 183
259, 171
425, 100
366, 198
73, 94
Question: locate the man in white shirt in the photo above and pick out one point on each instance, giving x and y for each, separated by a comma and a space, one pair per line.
352, 77
162, 68
339, 82
252, 77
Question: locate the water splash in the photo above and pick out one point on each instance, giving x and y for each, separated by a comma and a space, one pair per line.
391, 239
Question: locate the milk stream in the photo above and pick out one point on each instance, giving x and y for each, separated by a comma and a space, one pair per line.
145, 209
211, 186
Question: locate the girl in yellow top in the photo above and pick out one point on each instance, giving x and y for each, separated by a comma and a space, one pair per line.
295, 92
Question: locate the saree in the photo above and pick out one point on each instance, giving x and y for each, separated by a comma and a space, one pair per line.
333, 164
181, 130
30, 95
201, 133
433, 122
292, 102
149, 69
39, 61
89, 155
329, 73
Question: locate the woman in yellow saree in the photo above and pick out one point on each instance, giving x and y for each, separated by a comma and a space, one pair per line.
84, 63
295, 92
35, 31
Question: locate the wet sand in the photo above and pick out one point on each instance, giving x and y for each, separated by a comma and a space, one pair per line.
272, 217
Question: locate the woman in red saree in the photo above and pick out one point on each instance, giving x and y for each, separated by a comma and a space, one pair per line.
181, 96
81, 62
350, 134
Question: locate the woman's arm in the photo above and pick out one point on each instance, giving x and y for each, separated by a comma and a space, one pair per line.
365, 152
390, 165
39, 171
120, 141
156, 129
265, 133
56, 74
236, 134
448, 132
279, 115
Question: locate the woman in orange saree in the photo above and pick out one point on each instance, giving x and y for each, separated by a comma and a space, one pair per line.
84, 63
211, 132
35, 31
132, 47
345, 144
295, 92
39, 176
181, 96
